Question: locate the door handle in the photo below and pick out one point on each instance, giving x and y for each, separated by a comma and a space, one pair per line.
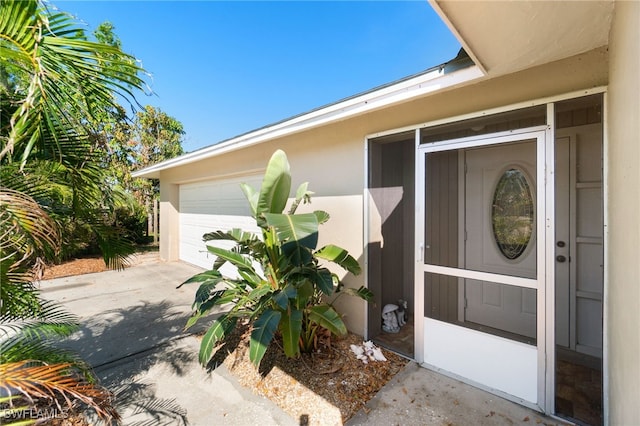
560, 258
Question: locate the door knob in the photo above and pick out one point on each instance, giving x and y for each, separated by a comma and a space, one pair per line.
560, 258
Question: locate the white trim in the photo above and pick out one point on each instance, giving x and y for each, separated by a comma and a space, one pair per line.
366, 231
497, 110
482, 276
418, 322
484, 140
546, 318
605, 242
431, 82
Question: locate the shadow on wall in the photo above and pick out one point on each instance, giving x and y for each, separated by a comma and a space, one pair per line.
121, 344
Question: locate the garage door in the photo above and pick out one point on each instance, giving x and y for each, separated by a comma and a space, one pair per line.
210, 206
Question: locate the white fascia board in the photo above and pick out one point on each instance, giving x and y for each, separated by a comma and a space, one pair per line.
431, 82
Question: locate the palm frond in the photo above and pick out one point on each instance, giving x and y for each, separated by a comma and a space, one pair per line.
69, 78
25, 228
51, 320
17, 292
58, 383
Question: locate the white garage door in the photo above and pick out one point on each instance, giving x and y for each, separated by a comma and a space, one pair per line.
210, 206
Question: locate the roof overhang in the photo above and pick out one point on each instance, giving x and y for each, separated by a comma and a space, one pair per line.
503, 37
437, 79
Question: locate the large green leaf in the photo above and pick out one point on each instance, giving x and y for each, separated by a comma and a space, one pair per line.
362, 292
323, 278
263, 330
251, 277
252, 197
291, 326
276, 185
298, 235
305, 292
322, 216
205, 293
236, 259
235, 234
325, 316
282, 297
295, 227
218, 330
257, 293
203, 277
339, 256
302, 195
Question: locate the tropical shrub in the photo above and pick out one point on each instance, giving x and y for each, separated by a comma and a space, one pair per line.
281, 284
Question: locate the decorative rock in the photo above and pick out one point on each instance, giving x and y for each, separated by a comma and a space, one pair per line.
368, 352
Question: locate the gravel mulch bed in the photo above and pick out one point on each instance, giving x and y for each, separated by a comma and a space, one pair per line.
327, 387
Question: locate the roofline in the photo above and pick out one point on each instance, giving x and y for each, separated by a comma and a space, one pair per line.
457, 71
445, 18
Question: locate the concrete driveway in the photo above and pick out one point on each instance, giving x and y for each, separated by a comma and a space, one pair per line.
132, 334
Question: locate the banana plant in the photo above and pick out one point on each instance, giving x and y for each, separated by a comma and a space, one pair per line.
281, 283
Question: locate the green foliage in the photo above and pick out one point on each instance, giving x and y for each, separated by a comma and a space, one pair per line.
56, 88
58, 93
154, 136
281, 281
29, 325
65, 77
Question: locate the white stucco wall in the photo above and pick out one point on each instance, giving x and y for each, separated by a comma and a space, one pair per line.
623, 234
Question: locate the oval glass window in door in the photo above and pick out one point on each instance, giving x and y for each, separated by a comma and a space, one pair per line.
512, 213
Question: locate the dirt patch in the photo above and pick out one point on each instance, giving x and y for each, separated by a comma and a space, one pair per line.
90, 265
75, 267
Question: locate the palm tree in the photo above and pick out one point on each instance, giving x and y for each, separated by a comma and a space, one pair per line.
55, 85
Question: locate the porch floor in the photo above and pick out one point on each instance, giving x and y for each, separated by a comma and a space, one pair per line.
401, 342
417, 396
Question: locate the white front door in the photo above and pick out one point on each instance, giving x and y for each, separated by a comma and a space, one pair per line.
495, 176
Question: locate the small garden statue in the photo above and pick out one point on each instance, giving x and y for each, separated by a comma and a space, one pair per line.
401, 313
390, 318
394, 316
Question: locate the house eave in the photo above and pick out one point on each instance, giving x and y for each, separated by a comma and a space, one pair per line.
428, 83
507, 37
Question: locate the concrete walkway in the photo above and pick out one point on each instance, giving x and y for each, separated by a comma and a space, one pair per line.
132, 334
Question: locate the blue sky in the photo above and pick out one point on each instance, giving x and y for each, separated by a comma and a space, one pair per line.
225, 68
